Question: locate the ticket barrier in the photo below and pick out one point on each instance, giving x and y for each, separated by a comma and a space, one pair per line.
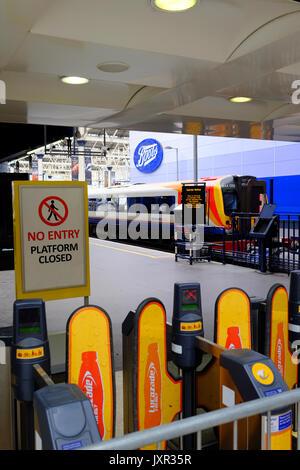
224, 377
60, 416
153, 394
152, 390
6, 428
187, 324
65, 417
236, 376
294, 318
260, 325
29, 346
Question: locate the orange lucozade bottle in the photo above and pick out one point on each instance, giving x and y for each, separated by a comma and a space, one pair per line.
233, 340
152, 388
90, 382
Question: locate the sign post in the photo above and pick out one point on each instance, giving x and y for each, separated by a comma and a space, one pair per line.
51, 240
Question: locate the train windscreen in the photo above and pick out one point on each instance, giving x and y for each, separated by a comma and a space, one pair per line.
230, 201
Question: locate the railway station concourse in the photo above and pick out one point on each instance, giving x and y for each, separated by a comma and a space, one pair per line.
149, 231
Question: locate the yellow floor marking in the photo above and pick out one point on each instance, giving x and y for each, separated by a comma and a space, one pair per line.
132, 252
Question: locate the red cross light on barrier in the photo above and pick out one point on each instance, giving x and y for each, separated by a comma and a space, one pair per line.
190, 296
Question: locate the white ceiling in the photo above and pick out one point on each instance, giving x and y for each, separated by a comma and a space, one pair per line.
182, 66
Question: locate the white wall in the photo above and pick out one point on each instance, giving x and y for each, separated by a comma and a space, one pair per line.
217, 156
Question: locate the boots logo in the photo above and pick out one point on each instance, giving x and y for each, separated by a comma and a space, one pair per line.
148, 155
2, 92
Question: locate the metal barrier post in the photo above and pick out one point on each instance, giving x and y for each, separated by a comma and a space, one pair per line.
6, 402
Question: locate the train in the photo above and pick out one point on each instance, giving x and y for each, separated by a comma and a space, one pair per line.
124, 212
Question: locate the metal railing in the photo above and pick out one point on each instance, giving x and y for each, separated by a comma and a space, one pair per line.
282, 253
198, 424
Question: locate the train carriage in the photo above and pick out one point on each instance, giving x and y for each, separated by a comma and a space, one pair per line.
145, 207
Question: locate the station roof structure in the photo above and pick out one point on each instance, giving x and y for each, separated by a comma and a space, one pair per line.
153, 70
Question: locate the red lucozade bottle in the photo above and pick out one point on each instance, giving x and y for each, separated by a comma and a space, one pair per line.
152, 388
233, 340
90, 382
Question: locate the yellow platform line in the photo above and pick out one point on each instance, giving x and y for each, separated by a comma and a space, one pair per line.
132, 252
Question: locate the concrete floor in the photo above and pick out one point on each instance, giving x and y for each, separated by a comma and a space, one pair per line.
122, 276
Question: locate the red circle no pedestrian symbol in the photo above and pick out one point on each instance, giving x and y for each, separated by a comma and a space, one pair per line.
53, 210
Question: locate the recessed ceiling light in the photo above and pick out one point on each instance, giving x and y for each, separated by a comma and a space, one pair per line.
113, 67
173, 5
73, 80
240, 99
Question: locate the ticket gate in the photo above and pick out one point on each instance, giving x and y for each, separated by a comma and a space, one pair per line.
6, 428
65, 417
187, 325
152, 350
246, 375
61, 414
229, 377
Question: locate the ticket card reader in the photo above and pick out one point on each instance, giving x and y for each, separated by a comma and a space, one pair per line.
29, 346
65, 416
255, 376
187, 324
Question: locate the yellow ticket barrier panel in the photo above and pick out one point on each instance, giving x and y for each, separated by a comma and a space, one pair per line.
277, 331
233, 319
90, 363
232, 330
151, 393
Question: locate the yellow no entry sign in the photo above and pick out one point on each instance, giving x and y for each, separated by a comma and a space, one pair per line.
51, 239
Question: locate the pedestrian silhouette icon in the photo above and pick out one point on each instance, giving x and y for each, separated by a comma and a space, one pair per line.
51, 210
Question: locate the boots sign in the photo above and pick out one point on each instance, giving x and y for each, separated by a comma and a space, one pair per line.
51, 239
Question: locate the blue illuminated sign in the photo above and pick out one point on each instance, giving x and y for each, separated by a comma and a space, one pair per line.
148, 155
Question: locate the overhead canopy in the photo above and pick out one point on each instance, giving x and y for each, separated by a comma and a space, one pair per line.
182, 67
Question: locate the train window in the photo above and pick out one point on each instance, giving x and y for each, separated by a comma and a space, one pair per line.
122, 204
92, 204
132, 201
230, 201
105, 204
166, 201
148, 203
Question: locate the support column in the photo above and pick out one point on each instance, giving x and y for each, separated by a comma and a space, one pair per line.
81, 160
109, 168
40, 166
195, 155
